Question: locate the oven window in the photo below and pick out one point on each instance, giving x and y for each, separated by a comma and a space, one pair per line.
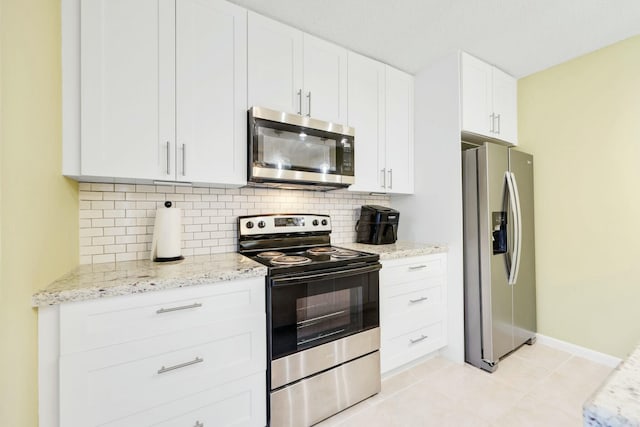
321, 316
306, 313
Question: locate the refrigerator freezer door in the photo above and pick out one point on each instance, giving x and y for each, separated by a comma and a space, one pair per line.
496, 300
524, 290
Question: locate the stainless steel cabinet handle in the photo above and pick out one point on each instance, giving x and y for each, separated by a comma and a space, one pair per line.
182, 307
413, 301
492, 127
300, 101
384, 177
309, 104
168, 158
180, 365
498, 117
390, 178
422, 337
198, 424
184, 156
418, 267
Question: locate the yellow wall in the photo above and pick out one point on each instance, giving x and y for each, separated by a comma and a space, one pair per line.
581, 120
39, 208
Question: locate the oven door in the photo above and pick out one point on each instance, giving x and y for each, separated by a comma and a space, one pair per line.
309, 310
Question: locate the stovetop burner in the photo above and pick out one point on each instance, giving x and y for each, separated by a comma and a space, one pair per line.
290, 260
344, 253
270, 254
322, 250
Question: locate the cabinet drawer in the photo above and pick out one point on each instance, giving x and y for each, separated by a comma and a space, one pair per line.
92, 324
240, 403
409, 269
107, 384
424, 285
415, 300
403, 323
411, 345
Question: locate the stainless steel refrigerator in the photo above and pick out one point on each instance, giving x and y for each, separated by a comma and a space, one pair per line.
499, 263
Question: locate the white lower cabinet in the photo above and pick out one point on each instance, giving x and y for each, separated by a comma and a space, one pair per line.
186, 357
413, 300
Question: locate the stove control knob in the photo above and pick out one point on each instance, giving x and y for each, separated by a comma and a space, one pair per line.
325, 222
315, 222
262, 224
249, 224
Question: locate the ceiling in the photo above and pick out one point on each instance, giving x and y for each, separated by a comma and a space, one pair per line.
519, 36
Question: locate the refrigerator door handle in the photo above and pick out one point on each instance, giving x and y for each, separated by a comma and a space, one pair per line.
516, 236
518, 251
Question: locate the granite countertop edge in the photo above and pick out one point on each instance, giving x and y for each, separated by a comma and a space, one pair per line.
398, 250
90, 282
95, 281
617, 402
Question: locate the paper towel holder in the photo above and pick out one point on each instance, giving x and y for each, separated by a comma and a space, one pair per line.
154, 243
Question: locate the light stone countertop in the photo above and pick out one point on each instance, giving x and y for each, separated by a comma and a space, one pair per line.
93, 281
617, 402
400, 249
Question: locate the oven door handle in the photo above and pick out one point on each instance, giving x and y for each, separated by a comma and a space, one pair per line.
325, 276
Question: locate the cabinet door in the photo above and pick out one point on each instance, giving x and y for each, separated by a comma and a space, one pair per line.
275, 65
477, 108
324, 80
399, 131
505, 106
127, 89
366, 84
211, 110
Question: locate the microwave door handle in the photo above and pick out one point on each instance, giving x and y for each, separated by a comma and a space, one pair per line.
289, 281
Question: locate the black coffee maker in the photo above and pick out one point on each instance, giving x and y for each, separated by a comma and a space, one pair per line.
378, 225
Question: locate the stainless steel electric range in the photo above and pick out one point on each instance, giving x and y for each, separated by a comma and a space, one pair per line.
323, 318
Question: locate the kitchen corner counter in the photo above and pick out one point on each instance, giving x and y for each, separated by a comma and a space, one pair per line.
617, 402
400, 249
93, 281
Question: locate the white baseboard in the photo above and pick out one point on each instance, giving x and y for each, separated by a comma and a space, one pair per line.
577, 350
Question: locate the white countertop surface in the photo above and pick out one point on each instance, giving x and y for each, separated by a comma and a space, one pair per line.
617, 402
125, 278
400, 249
93, 281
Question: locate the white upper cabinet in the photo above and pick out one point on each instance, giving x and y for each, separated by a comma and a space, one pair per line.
295, 72
275, 65
325, 80
399, 131
489, 101
381, 112
163, 90
505, 106
366, 115
211, 92
127, 91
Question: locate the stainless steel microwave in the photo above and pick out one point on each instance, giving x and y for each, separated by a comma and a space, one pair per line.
291, 151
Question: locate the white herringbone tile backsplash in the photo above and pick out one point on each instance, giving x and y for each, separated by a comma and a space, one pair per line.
116, 220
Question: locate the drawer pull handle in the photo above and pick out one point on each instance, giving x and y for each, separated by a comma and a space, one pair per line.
417, 267
198, 424
180, 365
413, 301
422, 337
183, 307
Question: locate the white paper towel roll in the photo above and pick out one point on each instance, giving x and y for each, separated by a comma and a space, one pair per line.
166, 234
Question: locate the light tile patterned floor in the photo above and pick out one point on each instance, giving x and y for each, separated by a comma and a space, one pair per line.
535, 386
